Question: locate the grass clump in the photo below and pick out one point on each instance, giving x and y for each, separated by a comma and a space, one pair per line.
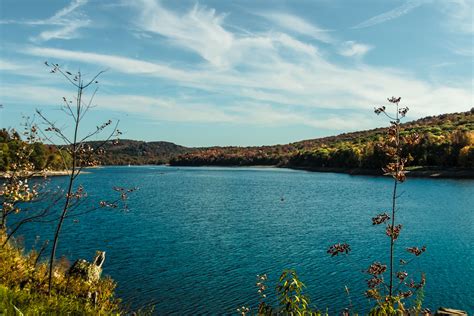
24, 287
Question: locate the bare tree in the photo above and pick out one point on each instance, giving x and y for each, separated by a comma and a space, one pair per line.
81, 153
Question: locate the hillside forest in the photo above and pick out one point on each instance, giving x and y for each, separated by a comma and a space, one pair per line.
446, 141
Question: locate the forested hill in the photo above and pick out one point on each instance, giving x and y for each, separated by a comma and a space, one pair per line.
135, 152
124, 152
446, 141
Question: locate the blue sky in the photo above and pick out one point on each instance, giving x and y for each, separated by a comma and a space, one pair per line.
247, 72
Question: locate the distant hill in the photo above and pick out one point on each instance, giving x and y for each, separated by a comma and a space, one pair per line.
55, 157
446, 141
139, 152
434, 124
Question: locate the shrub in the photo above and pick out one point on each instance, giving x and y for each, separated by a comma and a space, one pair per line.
24, 287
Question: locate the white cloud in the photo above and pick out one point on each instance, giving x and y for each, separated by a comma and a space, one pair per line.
64, 24
166, 109
159, 108
9, 66
266, 114
405, 8
118, 63
66, 32
464, 51
353, 49
270, 72
460, 16
313, 83
31, 94
64, 12
198, 30
298, 25
22, 68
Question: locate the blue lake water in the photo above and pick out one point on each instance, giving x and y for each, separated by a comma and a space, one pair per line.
194, 239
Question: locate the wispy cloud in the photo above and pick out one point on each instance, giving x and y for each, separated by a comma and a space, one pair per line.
64, 24
118, 63
198, 30
459, 15
298, 25
353, 49
176, 110
59, 15
201, 30
66, 32
458, 19
467, 51
9, 66
313, 83
392, 14
258, 78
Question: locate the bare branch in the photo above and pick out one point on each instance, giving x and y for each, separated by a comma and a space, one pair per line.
53, 128
94, 79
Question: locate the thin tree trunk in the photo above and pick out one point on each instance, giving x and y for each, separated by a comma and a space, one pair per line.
394, 201
69, 190
3, 224
392, 241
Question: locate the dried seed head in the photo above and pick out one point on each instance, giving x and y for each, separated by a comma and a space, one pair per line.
336, 249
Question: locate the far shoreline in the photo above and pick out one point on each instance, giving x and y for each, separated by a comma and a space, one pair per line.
414, 172
417, 172
39, 174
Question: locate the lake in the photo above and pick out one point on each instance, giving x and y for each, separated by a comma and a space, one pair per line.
194, 239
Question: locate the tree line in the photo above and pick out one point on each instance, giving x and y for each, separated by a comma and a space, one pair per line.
445, 141
42, 156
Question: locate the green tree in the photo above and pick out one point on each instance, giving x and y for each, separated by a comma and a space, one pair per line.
38, 156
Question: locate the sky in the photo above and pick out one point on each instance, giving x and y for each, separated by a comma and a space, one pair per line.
244, 72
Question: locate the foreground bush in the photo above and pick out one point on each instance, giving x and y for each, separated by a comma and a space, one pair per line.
24, 287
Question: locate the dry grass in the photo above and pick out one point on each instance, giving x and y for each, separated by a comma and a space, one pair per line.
24, 287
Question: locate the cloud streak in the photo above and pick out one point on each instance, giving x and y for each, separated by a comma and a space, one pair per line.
314, 83
353, 49
298, 25
405, 8
459, 15
165, 109
198, 30
271, 77
64, 24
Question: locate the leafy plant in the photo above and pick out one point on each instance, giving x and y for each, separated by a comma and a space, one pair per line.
389, 301
16, 188
289, 294
20, 196
388, 295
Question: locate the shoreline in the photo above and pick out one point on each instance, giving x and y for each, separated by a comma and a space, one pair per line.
51, 173
4, 174
415, 172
